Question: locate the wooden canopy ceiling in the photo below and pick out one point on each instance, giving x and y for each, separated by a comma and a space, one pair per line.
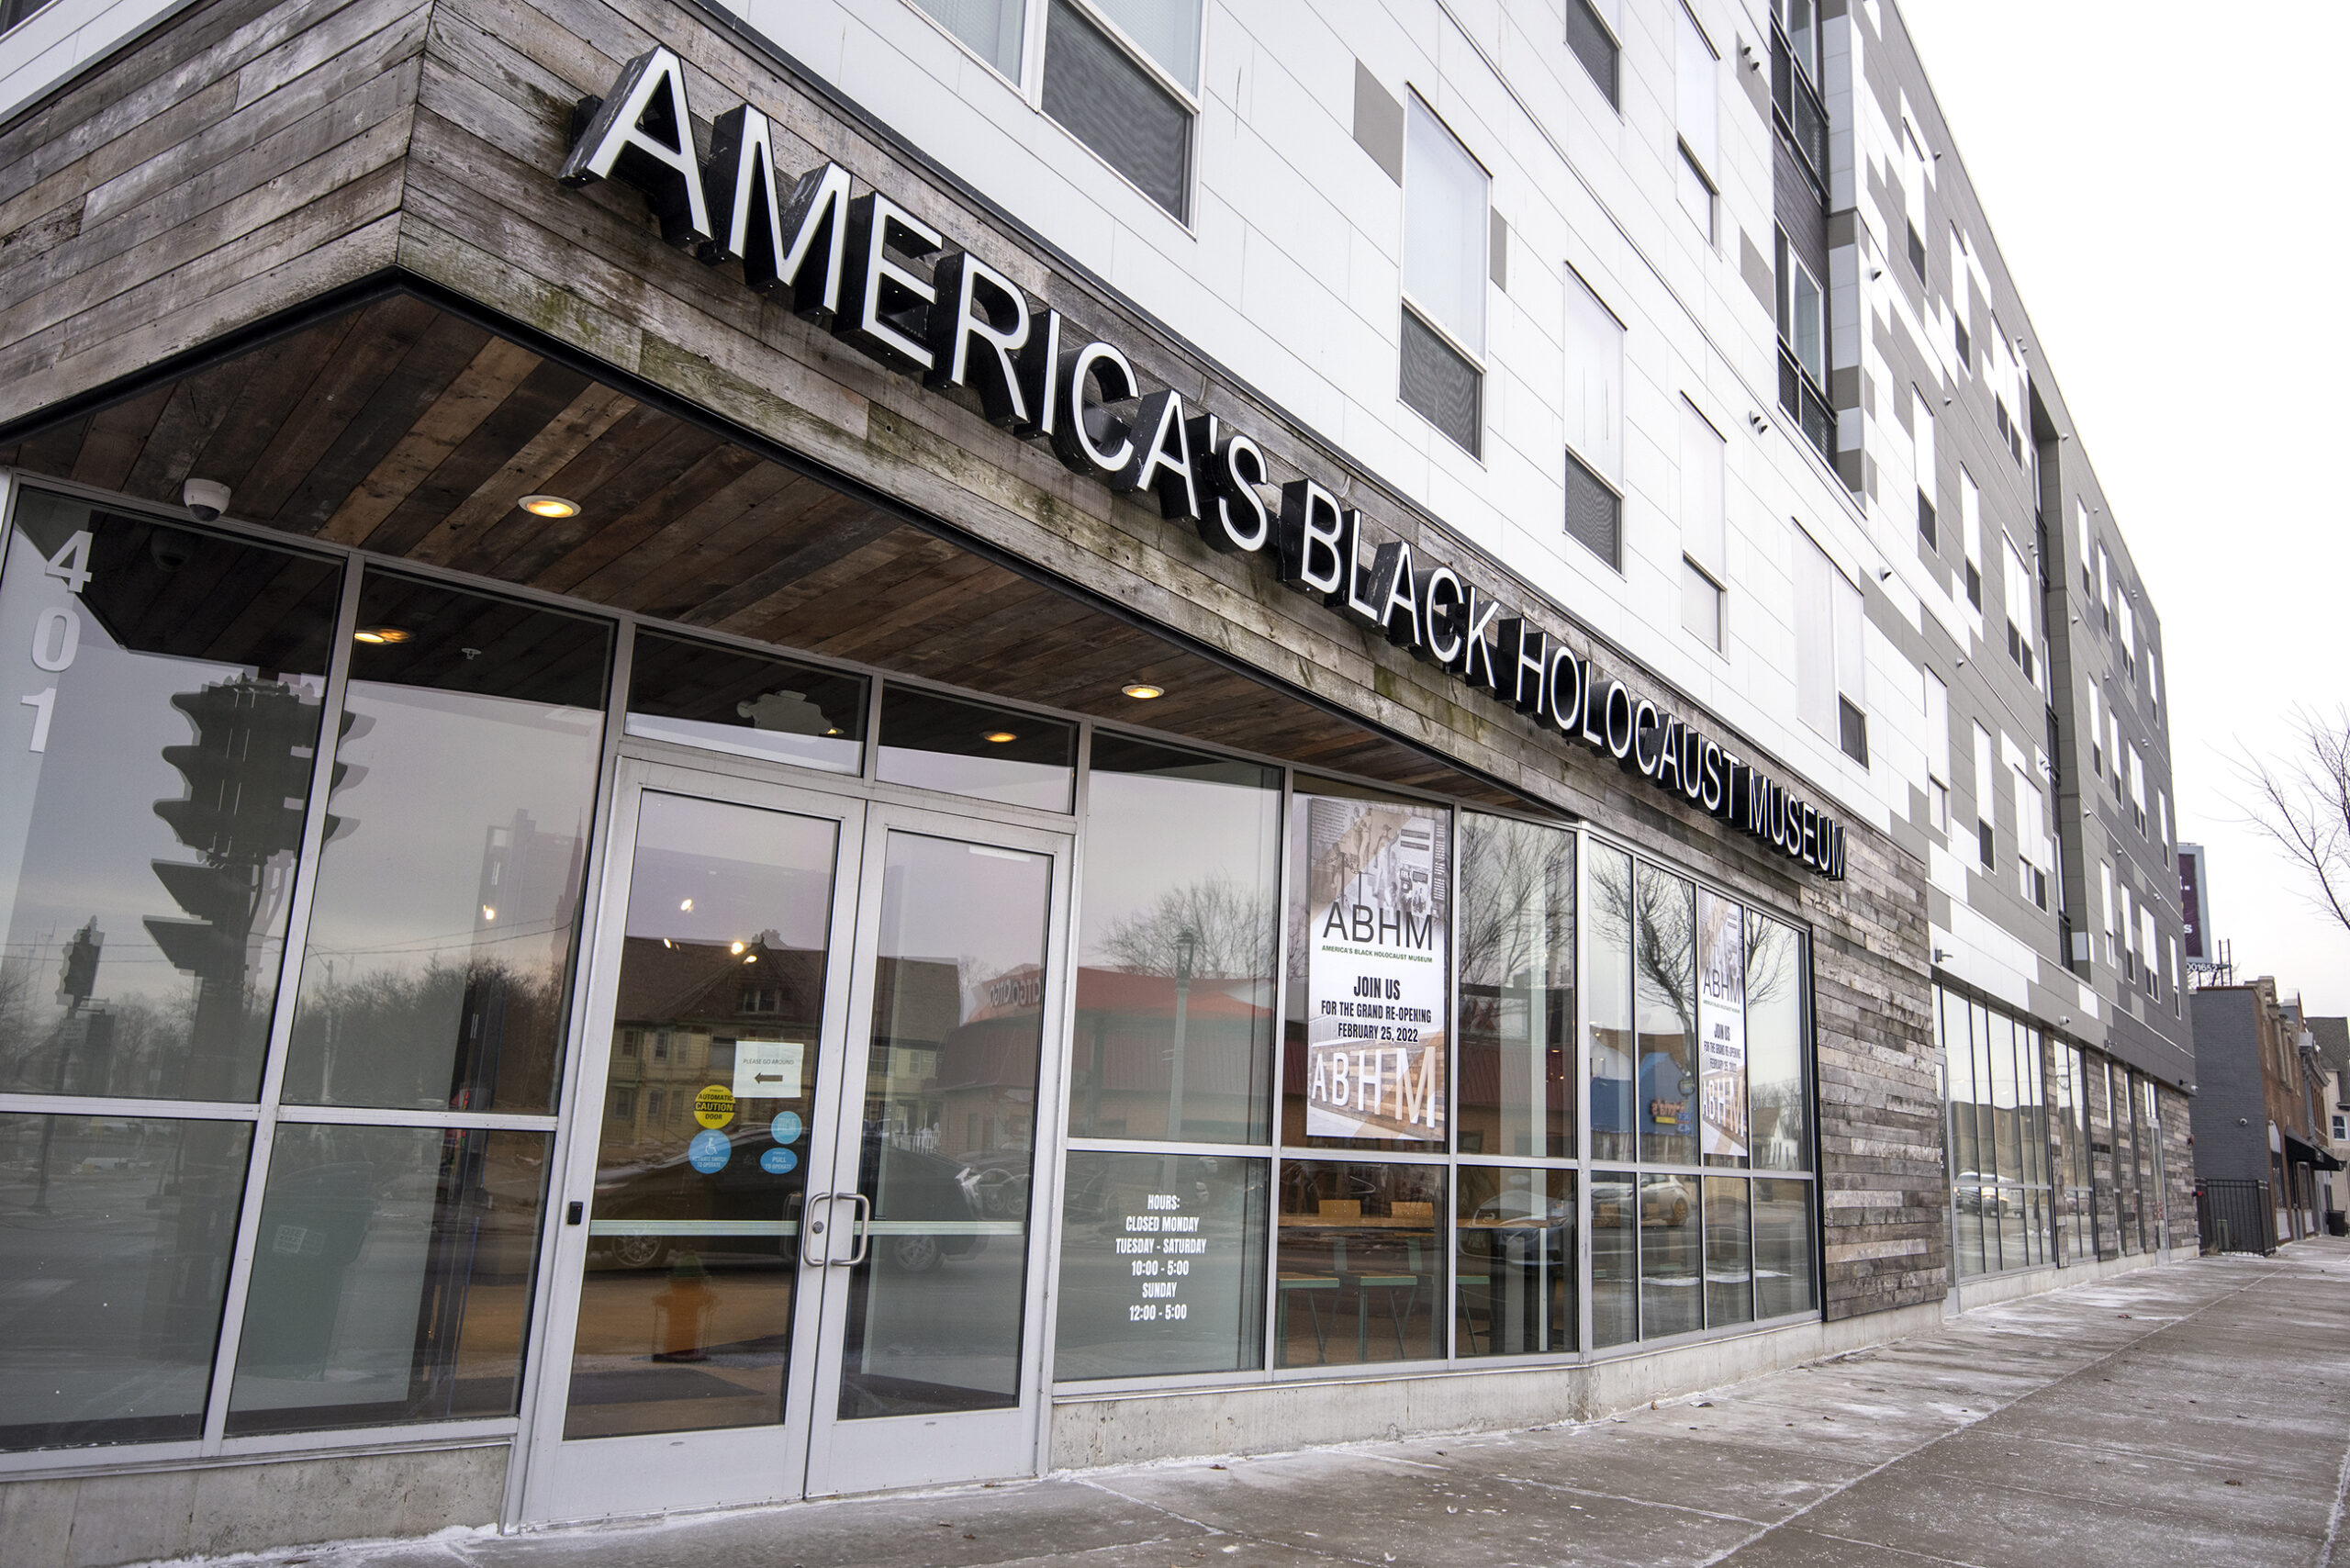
408, 431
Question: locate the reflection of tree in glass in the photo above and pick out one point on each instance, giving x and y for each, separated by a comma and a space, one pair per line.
1232, 927
1509, 872
1774, 1087
372, 1031
1663, 936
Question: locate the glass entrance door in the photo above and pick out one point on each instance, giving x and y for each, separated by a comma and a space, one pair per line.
794, 1246
931, 1373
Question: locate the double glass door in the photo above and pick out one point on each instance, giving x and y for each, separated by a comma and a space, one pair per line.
795, 1253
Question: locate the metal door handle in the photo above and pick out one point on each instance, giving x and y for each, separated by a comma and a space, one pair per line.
815, 1256
864, 1223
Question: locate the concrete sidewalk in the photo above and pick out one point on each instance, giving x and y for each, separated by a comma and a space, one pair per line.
2194, 1413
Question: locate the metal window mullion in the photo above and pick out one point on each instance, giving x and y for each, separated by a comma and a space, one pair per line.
1285, 851
1187, 98
123, 1109
1578, 1064
569, 1114
1447, 1222
402, 1116
281, 1033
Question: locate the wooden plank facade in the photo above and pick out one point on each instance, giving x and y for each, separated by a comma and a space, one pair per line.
315, 249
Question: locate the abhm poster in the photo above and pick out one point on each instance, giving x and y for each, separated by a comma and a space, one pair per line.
1375, 1031
1721, 1028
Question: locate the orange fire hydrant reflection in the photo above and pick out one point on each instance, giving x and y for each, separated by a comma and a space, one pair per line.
682, 1309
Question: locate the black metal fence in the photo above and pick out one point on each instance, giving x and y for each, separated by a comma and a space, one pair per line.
2235, 1216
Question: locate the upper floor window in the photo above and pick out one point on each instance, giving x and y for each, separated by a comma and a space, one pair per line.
1593, 32
1799, 19
1594, 409
1832, 689
990, 29
1697, 117
1123, 77
1916, 170
2022, 638
1803, 349
1921, 421
1961, 303
1938, 751
1447, 221
1985, 810
1795, 107
1970, 518
14, 11
1703, 455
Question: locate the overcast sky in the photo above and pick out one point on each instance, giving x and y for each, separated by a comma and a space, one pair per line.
2161, 182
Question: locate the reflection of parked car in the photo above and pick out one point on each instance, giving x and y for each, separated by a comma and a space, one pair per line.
1666, 1201
999, 1178
1508, 1223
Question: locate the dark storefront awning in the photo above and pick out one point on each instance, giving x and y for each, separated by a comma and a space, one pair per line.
405, 427
2298, 1152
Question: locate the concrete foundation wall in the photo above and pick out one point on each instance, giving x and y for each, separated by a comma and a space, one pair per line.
99, 1521
1273, 1418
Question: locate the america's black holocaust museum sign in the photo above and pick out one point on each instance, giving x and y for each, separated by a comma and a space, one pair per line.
885, 282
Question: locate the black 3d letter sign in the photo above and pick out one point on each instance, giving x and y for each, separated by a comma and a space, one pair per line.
883, 280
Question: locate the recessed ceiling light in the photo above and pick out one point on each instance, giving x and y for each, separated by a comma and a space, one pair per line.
687, 906
736, 948
998, 737
548, 506
374, 635
1142, 691
488, 912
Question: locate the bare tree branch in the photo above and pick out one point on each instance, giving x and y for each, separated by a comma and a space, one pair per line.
2302, 804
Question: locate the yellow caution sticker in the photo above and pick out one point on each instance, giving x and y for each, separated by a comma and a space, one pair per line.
714, 1106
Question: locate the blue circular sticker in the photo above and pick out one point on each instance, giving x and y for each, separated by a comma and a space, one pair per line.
776, 1161
787, 1128
709, 1151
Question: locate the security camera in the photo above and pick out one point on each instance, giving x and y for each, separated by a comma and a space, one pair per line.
207, 499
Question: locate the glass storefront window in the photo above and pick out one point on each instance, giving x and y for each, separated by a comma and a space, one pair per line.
1724, 1129
1972, 1190
1779, 1047
1729, 1263
1359, 1264
1665, 998
1162, 1265
1177, 945
1672, 1262
1785, 1281
1615, 1260
113, 1265
1607, 1003
1515, 1260
966, 748
1518, 945
448, 899
391, 1277
152, 787
1367, 1061
731, 701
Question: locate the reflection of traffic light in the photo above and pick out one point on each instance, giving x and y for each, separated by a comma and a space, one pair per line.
78, 976
248, 775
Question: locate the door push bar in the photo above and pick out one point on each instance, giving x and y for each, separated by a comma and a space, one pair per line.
820, 1256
